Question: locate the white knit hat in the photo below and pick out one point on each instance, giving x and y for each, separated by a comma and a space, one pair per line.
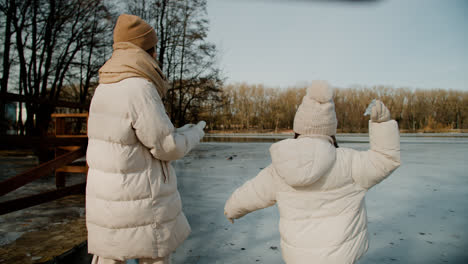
316, 115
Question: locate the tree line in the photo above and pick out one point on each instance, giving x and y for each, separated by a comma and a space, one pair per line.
256, 107
52, 51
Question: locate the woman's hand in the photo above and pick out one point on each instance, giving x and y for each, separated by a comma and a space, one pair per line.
201, 125
184, 128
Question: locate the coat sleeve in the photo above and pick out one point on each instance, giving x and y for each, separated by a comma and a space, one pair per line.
373, 166
154, 129
255, 194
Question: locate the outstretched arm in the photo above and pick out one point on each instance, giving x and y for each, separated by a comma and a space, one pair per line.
156, 132
373, 166
177, 144
255, 194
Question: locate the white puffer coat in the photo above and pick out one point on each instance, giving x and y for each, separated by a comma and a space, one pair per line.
320, 193
133, 208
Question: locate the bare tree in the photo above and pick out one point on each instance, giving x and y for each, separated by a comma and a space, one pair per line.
48, 37
255, 107
187, 59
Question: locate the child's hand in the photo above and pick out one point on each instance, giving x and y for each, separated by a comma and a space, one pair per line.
379, 112
230, 219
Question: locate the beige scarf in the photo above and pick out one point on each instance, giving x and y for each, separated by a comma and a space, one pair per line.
129, 60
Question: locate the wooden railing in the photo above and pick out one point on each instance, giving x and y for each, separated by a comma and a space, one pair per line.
68, 148
60, 132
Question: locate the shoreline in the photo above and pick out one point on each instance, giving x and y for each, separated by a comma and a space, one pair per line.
287, 134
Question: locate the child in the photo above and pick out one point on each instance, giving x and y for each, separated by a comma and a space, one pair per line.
320, 188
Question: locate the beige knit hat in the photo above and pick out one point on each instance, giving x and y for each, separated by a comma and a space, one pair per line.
316, 115
130, 28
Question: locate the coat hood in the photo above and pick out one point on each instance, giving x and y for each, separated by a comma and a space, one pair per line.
302, 161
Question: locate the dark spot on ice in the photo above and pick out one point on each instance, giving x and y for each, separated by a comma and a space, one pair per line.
452, 211
232, 244
430, 242
392, 259
212, 167
242, 248
260, 168
375, 234
273, 248
230, 158
411, 215
391, 243
257, 260
225, 229
190, 250
401, 239
435, 190
422, 234
234, 155
212, 223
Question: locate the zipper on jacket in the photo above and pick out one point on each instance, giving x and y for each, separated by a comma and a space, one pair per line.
163, 167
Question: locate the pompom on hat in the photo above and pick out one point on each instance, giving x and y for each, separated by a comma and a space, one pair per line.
316, 114
130, 28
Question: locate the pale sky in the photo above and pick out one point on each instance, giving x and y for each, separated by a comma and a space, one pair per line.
402, 43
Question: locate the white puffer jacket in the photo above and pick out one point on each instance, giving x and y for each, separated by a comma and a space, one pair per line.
320, 193
133, 208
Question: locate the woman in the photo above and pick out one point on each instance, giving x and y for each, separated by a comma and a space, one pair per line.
133, 208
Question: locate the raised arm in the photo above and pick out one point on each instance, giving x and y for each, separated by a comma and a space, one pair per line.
156, 132
372, 166
255, 194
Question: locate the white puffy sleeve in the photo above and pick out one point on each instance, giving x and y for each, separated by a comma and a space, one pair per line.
154, 129
373, 166
255, 194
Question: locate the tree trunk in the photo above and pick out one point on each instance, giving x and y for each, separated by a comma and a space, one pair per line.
163, 41
181, 94
6, 65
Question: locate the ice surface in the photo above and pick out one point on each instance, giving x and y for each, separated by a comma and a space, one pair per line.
418, 215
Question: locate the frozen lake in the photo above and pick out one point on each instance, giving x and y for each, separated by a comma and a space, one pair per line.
418, 215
